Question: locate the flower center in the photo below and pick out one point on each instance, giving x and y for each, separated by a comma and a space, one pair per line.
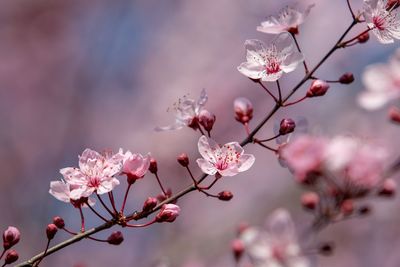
379, 22
272, 66
94, 182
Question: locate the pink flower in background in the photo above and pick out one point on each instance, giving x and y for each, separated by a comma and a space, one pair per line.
95, 174
382, 82
270, 62
187, 112
288, 20
227, 160
135, 165
277, 246
384, 22
304, 155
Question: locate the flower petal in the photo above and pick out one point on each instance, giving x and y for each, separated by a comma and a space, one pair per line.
206, 167
245, 162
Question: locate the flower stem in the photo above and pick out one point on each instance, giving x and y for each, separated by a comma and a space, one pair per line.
105, 206
298, 48
160, 184
2, 254
269, 92
140, 225
295, 102
82, 220
125, 198
95, 212
44, 254
112, 201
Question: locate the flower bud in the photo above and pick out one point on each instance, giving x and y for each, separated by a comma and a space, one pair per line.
51, 231
153, 166
317, 88
347, 207
11, 237
388, 188
59, 222
149, 204
168, 213
326, 249
115, 238
287, 126
310, 200
183, 159
363, 38
243, 109
11, 257
206, 119
294, 30
346, 78
225, 195
394, 114
237, 249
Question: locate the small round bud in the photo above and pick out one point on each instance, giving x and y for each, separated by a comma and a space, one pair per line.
153, 166
363, 38
11, 256
59, 222
51, 231
206, 119
317, 88
310, 200
326, 249
183, 159
287, 126
243, 109
388, 188
394, 114
168, 213
115, 238
347, 207
364, 210
149, 204
11, 236
346, 78
237, 249
225, 195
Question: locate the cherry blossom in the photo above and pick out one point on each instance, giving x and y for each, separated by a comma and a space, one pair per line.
187, 112
268, 63
227, 160
62, 191
382, 82
135, 166
277, 245
288, 20
383, 20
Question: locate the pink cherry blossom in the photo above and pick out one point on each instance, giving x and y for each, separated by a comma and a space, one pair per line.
288, 20
304, 155
227, 160
277, 245
382, 82
135, 165
270, 62
62, 191
383, 20
187, 112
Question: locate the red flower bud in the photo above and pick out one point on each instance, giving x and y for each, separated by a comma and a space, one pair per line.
11, 237
363, 38
153, 166
394, 114
310, 200
346, 78
206, 119
183, 159
59, 222
237, 249
11, 256
388, 188
149, 204
168, 213
51, 231
287, 126
225, 195
243, 109
115, 238
317, 88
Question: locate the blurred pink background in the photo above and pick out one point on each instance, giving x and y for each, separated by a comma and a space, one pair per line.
102, 74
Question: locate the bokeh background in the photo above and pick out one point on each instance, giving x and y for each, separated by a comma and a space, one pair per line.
102, 74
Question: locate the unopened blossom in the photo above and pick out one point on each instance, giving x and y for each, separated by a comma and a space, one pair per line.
168, 213
187, 112
277, 245
135, 166
269, 62
226, 160
11, 237
288, 20
243, 109
382, 82
304, 155
383, 20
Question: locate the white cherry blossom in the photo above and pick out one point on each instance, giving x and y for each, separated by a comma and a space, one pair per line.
268, 63
226, 160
